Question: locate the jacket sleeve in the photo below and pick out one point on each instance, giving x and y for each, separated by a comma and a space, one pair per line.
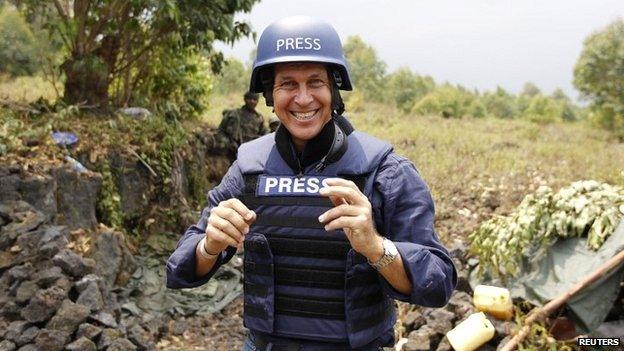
407, 214
181, 264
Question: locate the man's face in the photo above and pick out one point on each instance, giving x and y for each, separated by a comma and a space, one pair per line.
251, 103
302, 99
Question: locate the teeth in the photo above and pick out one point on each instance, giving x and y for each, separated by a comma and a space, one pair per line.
304, 115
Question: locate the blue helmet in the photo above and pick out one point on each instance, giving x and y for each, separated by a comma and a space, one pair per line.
300, 39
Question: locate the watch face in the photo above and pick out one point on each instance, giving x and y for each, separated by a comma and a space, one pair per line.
390, 248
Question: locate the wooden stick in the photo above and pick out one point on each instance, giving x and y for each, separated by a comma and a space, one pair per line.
540, 313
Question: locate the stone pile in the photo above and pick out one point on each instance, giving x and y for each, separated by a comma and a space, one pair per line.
52, 298
426, 327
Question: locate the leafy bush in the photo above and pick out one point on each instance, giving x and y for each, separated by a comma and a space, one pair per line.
447, 101
404, 88
18, 47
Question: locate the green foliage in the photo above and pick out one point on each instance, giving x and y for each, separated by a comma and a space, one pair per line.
542, 109
446, 101
529, 89
499, 103
176, 86
233, 78
126, 37
584, 208
599, 75
366, 69
18, 47
404, 88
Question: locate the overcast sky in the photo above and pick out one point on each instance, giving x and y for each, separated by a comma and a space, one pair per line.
476, 43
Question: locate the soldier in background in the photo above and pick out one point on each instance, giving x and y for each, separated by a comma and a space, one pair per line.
243, 124
274, 122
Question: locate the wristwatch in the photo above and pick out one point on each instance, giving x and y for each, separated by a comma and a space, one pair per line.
390, 253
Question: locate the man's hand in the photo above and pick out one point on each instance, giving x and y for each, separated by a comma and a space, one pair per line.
227, 225
353, 213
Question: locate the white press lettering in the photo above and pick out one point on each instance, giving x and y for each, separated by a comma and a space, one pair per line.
290, 42
284, 185
317, 44
298, 185
312, 185
270, 183
279, 43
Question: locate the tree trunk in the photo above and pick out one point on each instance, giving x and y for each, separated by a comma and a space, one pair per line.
87, 80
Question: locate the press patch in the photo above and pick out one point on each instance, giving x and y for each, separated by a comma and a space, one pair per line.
290, 185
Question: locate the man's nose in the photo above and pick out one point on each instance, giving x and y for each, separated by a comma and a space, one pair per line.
303, 96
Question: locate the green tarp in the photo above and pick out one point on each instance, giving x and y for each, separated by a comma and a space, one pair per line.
550, 274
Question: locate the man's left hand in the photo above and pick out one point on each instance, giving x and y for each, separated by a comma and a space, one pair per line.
353, 213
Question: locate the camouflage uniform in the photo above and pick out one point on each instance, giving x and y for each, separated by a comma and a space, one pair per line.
240, 126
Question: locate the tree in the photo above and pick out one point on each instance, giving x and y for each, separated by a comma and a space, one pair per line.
366, 69
112, 44
18, 47
529, 89
599, 74
500, 103
234, 77
405, 88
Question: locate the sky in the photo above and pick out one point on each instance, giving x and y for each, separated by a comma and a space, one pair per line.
479, 44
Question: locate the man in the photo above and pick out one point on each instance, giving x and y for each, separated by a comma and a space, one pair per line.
274, 122
243, 124
334, 224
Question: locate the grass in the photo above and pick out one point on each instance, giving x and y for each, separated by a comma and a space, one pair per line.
28, 89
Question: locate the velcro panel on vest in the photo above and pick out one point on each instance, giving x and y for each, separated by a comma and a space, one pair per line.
308, 247
311, 307
258, 313
306, 276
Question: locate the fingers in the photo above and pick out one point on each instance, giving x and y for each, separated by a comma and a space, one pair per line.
228, 228
338, 211
236, 205
345, 189
221, 238
352, 222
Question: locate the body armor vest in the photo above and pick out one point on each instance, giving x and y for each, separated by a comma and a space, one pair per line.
300, 280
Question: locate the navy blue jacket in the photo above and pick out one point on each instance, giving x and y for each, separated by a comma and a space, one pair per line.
405, 207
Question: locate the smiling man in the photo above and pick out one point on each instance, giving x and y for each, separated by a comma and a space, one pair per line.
334, 224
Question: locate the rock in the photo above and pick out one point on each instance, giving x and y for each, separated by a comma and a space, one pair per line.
20, 272
414, 320
43, 305
112, 257
6, 345
15, 329
89, 331
440, 320
23, 216
29, 347
133, 186
420, 340
39, 191
73, 264
51, 340
26, 291
82, 344
10, 309
91, 297
140, 337
27, 336
47, 277
7, 259
107, 337
460, 304
77, 194
53, 240
121, 344
444, 345
68, 317
104, 318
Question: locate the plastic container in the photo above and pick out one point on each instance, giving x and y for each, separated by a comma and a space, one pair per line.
473, 332
494, 301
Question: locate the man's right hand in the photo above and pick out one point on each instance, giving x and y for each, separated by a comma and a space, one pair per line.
227, 225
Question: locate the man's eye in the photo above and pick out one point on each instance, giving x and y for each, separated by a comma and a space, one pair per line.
288, 85
316, 83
